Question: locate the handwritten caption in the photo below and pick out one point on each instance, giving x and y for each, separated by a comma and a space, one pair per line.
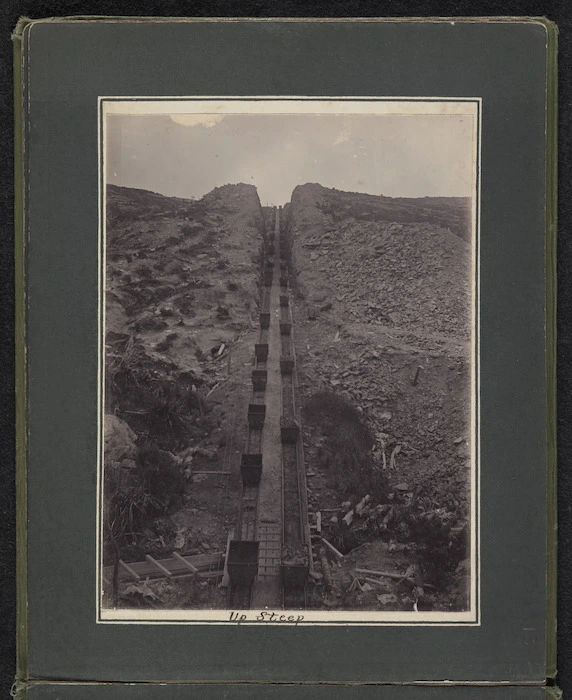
265, 616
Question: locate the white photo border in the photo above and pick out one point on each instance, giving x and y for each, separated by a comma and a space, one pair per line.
395, 106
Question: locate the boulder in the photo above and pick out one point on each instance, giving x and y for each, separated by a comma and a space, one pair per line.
119, 440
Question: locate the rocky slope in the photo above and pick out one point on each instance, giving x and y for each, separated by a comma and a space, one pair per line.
379, 259
181, 302
382, 328
177, 264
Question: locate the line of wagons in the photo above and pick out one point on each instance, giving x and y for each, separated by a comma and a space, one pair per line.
242, 562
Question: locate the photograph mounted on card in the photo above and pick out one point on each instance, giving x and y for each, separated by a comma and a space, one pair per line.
289, 360
285, 353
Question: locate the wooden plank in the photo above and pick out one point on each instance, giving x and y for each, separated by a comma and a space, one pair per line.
225, 577
188, 564
388, 574
199, 561
215, 471
385, 574
129, 570
332, 549
159, 566
211, 574
325, 569
376, 581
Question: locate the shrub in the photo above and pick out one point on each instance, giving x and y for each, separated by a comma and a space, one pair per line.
164, 409
346, 448
440, 550
136, 496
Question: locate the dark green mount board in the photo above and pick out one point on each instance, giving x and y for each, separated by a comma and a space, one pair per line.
246, 691
63, 67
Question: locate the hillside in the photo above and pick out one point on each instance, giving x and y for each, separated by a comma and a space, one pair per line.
382, 320
181, 303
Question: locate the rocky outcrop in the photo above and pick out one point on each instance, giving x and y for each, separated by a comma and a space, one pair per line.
364, 257
182, 274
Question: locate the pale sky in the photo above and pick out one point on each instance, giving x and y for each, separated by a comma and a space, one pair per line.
188, 155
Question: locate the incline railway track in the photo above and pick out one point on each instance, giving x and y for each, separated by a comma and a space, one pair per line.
243, 550
243, 553
296, 551
268, 556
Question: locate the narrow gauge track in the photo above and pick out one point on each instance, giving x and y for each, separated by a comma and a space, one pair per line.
292, 530
240, 596
245, 535
286, 344
295, 559
296, 552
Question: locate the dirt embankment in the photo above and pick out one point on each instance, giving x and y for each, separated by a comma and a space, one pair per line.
382, 332
181, 313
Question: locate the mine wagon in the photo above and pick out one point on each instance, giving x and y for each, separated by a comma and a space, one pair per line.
289, 431
259, 379
294, 575
256, 415
286, 364
251, 469
261, 352
242, 562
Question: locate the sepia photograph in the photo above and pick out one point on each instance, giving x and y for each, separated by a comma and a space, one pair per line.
289, 361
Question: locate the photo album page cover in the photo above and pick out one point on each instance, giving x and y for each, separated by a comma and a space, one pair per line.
285, 358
